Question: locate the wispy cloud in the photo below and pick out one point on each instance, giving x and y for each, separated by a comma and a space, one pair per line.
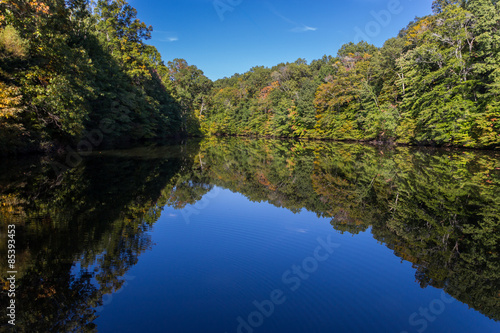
299, 27
303, 28
165, 36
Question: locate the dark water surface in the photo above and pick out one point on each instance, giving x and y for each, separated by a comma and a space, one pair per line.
256, 236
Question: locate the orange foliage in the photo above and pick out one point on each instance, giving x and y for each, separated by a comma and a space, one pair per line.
262, 179
39, 7
267, 90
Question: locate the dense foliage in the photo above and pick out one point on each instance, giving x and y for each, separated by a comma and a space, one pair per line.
436, 83
68, 68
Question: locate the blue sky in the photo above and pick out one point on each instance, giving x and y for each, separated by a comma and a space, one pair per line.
223, 37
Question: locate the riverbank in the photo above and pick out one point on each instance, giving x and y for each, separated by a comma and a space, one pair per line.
88, 146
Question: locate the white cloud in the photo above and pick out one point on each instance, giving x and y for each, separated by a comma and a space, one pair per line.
299, 27
303, 28
165, 36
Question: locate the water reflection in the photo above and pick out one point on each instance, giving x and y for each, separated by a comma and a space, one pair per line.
96, 214
78, 233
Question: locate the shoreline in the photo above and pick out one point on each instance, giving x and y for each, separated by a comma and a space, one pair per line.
52, 149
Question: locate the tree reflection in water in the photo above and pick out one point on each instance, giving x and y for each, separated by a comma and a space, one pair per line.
80, 232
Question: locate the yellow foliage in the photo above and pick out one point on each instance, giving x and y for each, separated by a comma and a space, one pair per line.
9, 101
416, 32
11, 44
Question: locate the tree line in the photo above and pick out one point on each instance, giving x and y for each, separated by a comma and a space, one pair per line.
437, 82
68, 67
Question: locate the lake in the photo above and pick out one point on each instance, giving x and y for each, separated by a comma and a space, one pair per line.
240, 235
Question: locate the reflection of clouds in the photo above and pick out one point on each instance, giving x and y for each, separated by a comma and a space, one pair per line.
165, 36
298, 230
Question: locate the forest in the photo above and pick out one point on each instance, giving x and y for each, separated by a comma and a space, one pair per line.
70, 67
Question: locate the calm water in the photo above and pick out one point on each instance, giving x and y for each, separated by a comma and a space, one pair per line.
255, 236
